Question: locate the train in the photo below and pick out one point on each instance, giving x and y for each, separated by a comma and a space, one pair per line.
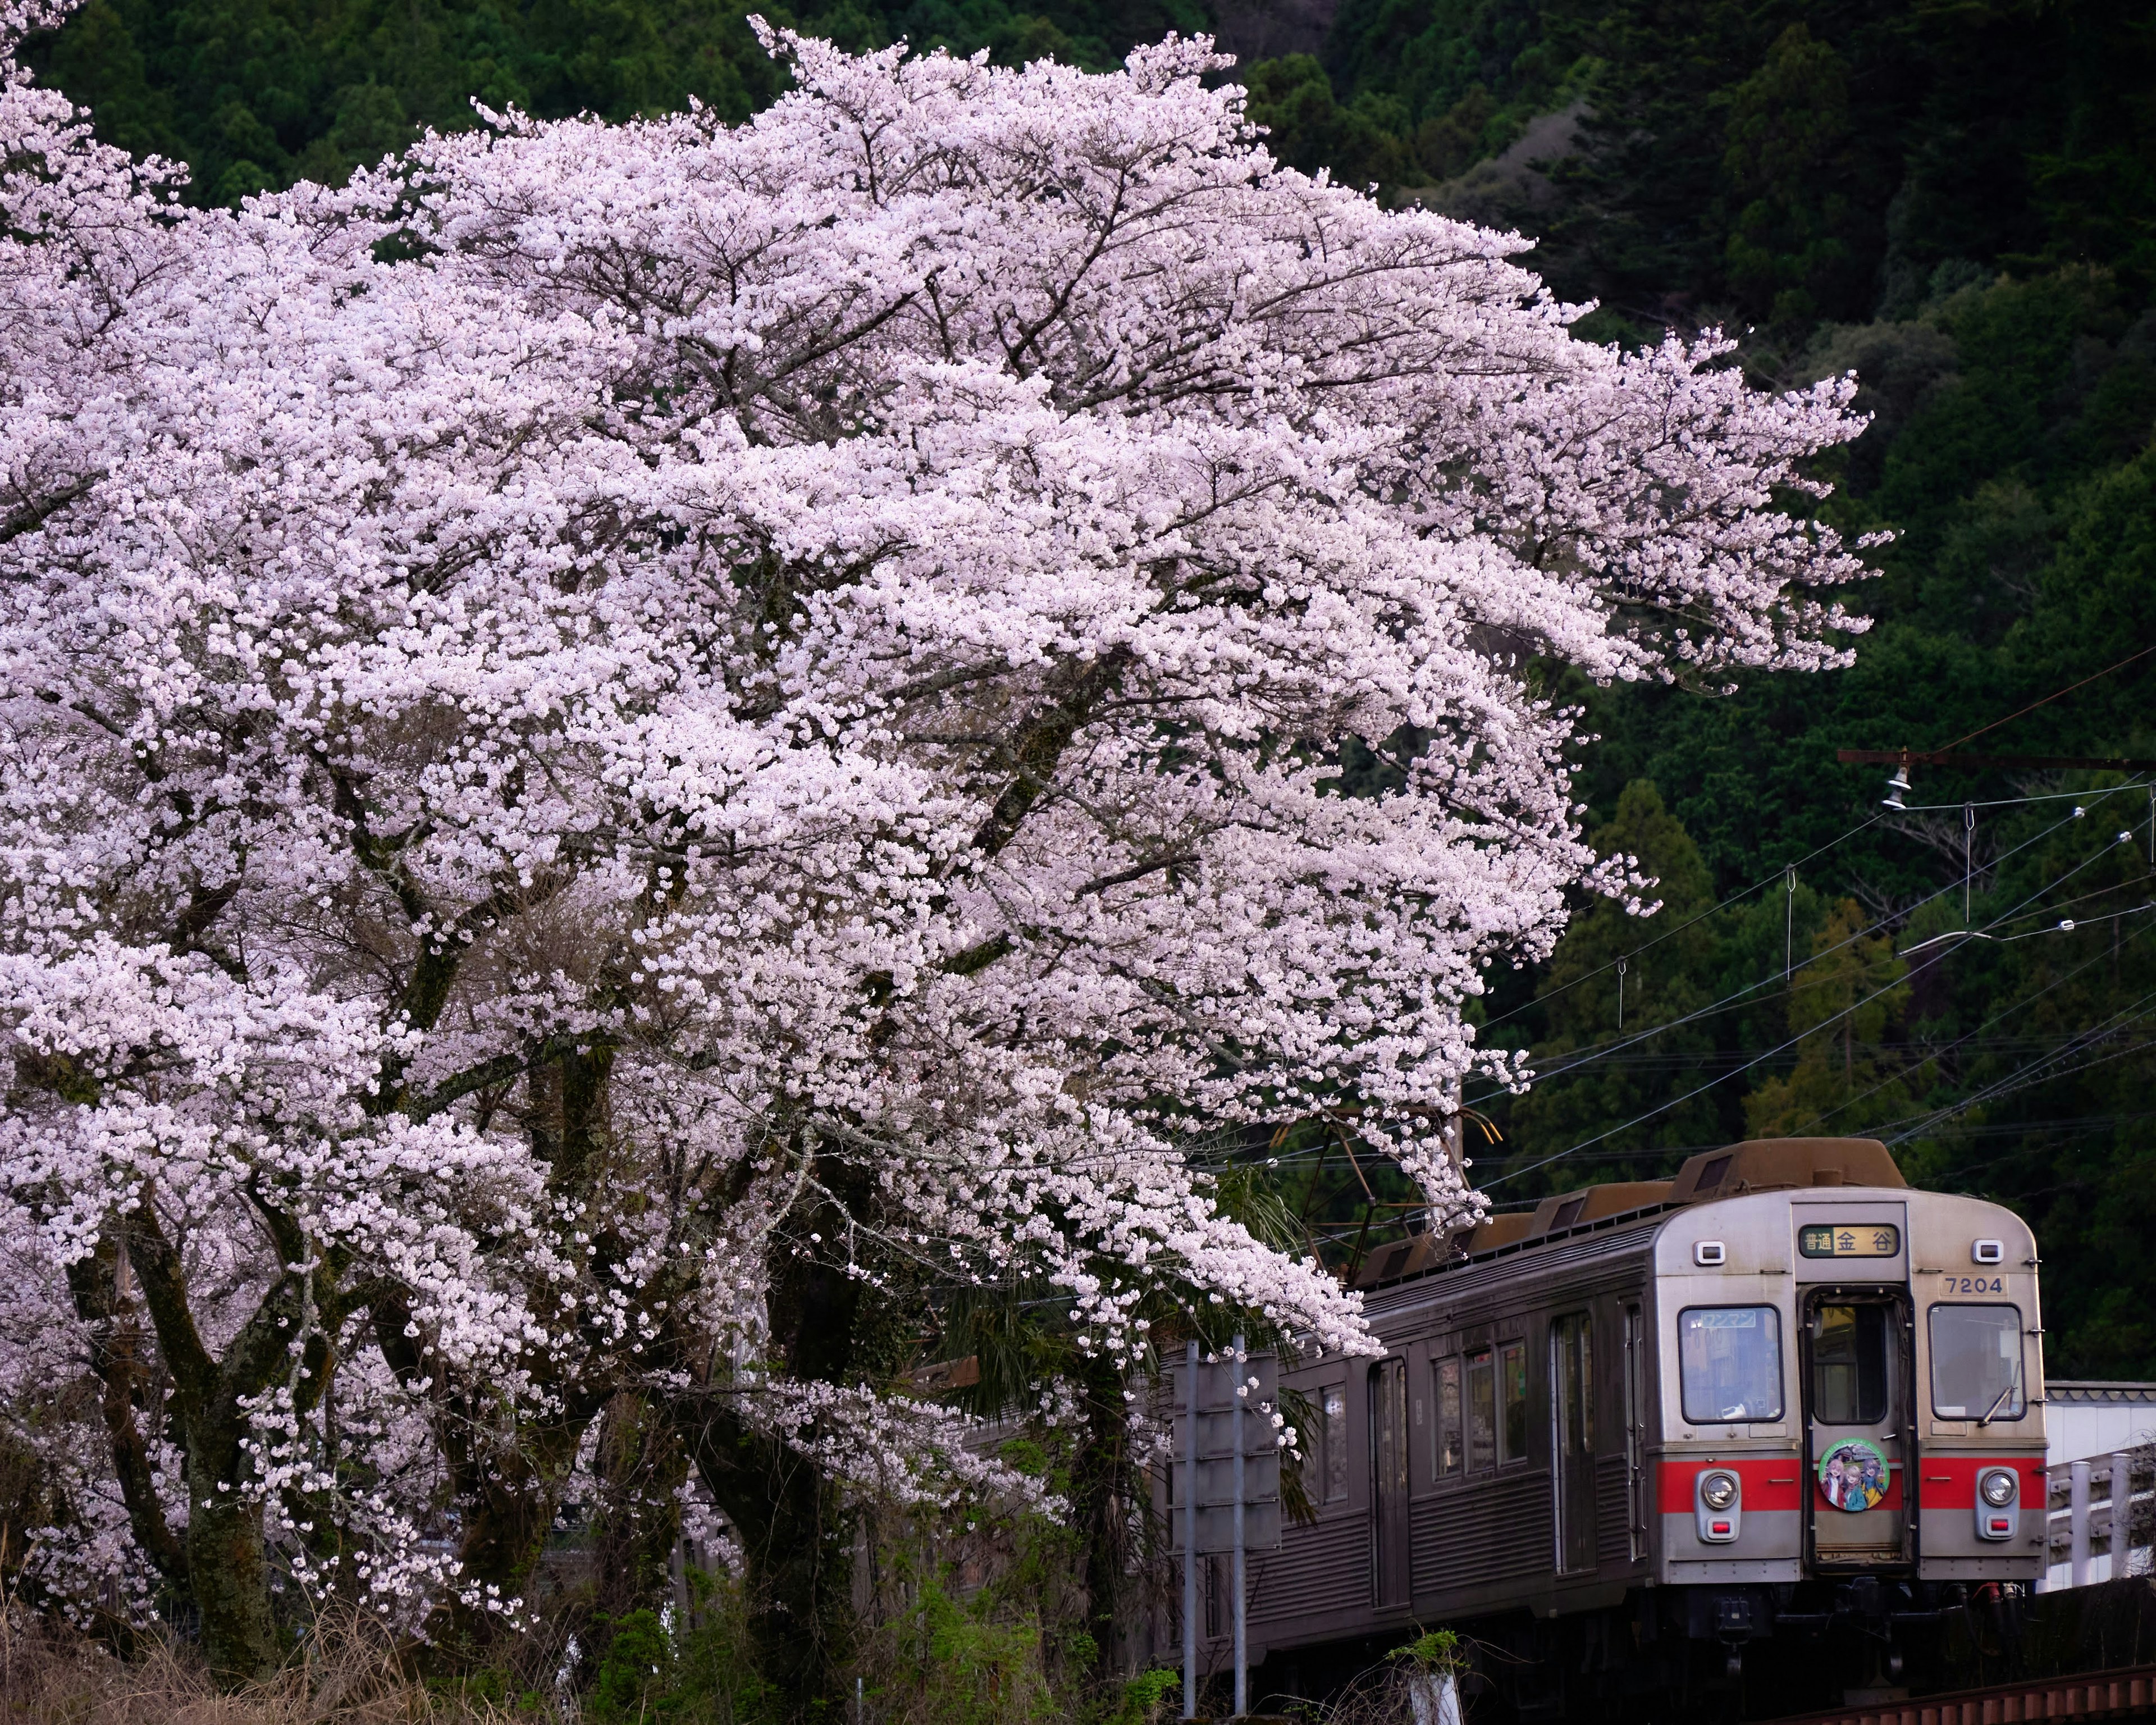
1658, 1449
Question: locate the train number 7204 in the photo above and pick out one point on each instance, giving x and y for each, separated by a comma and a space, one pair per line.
1972, 1285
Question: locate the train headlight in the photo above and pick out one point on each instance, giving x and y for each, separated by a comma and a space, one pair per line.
1718, 1490
1998, 1487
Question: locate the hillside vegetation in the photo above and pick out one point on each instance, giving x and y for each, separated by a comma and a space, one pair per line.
1957, 200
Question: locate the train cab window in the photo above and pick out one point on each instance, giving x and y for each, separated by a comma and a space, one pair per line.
1335, 1402
1482, 1412
1849, 1354
1729, 1362
1448, 1438
1976, 1362
1513, 1395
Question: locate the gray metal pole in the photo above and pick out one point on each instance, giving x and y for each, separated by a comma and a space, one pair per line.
1190, 1535
2077, 1525
1242, 1623
2122, 1515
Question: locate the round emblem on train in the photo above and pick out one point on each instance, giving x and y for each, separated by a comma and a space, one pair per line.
1853, 1475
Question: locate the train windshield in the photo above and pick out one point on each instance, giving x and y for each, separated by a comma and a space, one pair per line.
1730, 1361
1976, 1362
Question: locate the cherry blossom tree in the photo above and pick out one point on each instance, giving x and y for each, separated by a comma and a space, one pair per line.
627, 748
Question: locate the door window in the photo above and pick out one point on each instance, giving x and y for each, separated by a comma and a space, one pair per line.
1449, 1436
1976, 1362
1849, 1354
1336, 1442
1389, 1481
1729, 1362
1481, 1412
1572, 1397
1513, 1391
1572, 1350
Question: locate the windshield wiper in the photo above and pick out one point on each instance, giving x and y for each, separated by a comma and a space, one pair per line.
1996, 1406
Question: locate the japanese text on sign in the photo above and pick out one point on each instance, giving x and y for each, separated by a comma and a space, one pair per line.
1848, 1240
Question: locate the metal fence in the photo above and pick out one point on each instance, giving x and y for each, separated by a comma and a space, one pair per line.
2103, 1516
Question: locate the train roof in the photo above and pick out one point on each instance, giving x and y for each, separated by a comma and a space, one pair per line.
1756, 1165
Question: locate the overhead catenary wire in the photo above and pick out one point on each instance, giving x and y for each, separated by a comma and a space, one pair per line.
1585, 1150
1781, 1047
1961, 1042
2109, 790
1600, 1050
1744, 892
2056, 694
2034, 1072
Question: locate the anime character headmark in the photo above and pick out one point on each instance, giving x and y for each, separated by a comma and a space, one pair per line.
1853, 1477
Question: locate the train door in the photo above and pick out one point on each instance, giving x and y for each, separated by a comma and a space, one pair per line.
1389, 1482
1635, 1431
1859, 1429
1572, 1418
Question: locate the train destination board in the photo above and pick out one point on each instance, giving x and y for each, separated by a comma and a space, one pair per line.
1849, 1239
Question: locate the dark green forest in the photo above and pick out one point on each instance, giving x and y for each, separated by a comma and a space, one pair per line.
1954, 198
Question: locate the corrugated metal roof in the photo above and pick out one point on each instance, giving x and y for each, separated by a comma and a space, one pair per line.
2089, 1392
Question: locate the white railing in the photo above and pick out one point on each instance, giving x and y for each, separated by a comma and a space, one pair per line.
2102, 1514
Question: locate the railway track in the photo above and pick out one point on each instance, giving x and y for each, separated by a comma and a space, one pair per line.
2122, 1694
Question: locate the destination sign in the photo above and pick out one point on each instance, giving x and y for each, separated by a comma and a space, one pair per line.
1849, 1239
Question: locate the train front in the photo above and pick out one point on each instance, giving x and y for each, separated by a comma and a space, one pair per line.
1851, 1413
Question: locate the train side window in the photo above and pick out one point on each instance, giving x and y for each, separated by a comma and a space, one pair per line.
1482, 1412
1448, 1438
1729, 1362
1336, 1442
1850, 1354
1976, 1362
1512, 1392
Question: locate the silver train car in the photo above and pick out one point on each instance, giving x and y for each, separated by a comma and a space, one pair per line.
1782, 1413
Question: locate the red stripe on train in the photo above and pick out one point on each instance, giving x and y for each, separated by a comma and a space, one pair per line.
1776, 1481
1768, 1481
1949, 1481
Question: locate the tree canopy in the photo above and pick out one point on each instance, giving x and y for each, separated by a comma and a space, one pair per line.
630, 745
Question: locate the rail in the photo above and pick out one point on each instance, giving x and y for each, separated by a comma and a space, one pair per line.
2091, 1695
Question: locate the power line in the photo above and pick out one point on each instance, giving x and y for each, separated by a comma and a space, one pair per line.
1743, 892
1700, 1090
1985, 730
2109, 790
2003, 1013
1602, 1051
2022, 1077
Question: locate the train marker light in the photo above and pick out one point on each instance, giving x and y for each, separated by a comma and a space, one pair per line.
1709, 1254
1988, 1251
1717, 1506
1997, 1490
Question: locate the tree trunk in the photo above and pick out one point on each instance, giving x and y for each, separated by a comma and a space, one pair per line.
640, 1466
227, 1565
794, 1535
1099, 1484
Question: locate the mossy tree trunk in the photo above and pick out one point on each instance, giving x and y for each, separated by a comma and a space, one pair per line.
226, 1559
788, 1514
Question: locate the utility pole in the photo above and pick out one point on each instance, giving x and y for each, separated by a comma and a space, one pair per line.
1190, 1537
1242, 1591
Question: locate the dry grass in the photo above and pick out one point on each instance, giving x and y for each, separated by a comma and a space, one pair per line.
50, 1677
